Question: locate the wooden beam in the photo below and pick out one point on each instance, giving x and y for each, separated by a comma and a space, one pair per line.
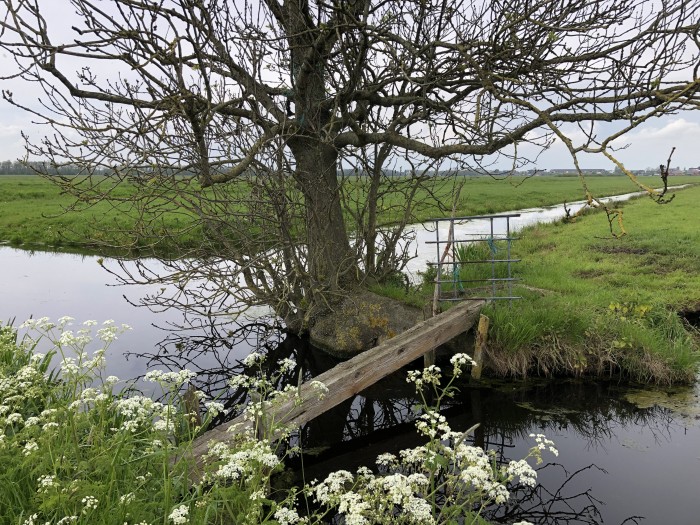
354, 375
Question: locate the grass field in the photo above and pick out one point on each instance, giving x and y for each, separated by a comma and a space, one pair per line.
593, 304
33, 212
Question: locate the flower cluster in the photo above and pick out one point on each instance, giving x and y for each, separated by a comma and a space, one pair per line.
244, 464
433, 424
140, 412
428, 376
179, 515
543, 443
431, 483
170, 380
459, 362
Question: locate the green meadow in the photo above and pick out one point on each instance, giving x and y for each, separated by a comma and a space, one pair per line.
593, 304
34, 213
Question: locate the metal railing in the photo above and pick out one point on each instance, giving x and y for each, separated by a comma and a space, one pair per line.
474, 258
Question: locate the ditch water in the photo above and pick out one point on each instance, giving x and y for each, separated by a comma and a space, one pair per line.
627, 454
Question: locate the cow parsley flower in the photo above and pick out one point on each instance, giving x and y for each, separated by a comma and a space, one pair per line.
30, 447
214, 408
253, 358
170, 379
459, 361
179, 515
387, 460
522, 470
320, 388
89, 503
286, 516
543, 443
127, 498
31, 520
330, 489
45, 483
419, 511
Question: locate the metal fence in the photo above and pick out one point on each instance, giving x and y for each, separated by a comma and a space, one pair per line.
474, 258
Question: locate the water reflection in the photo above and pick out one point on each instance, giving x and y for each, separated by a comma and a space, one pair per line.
611, 450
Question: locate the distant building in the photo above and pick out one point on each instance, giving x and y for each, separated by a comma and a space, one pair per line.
572, 171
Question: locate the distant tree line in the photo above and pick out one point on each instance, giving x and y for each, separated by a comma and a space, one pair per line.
16, 167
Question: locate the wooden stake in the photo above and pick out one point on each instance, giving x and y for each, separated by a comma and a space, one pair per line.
482, 333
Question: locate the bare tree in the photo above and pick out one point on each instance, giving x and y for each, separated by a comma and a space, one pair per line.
248, 116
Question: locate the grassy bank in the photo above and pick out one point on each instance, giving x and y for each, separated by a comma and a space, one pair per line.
597, 305
32, 210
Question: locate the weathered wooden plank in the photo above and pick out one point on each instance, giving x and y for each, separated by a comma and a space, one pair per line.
351, 377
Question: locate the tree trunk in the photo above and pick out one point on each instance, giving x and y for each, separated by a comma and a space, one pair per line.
331, 264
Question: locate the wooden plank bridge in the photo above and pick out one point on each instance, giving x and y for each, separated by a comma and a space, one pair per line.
354, 375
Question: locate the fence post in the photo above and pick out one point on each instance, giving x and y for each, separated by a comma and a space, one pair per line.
479, 345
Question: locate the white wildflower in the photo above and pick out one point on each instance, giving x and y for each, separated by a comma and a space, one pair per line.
522, 470
320, 388
543, 443
387, 460
30, 520
15, 417
354, 508
179, 515
419, 511
170, 379
254, 358
30, 447
240, 381
89, 503
459, 361
286, 365
286, 516
257, 495
214, 408
330, 489
45, 483
127, 498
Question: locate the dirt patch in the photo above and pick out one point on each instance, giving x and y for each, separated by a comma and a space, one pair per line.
691, 315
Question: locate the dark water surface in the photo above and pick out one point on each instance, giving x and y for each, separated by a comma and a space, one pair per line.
618, 463
46, 284
627, 455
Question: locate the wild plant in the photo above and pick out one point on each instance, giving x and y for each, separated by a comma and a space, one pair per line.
443, 481
79, 448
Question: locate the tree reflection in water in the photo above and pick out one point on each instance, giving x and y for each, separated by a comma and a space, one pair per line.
379, 419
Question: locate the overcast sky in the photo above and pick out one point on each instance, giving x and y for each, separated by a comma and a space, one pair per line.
647, 146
